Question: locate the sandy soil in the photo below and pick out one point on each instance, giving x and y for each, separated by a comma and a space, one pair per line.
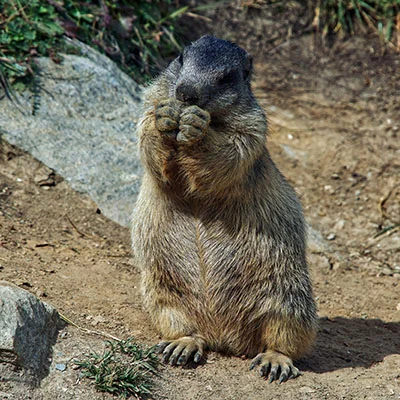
335, 126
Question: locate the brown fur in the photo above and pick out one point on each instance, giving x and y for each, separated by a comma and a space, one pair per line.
218, 235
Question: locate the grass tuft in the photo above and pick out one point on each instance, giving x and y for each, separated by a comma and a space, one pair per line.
125, 368
341, 16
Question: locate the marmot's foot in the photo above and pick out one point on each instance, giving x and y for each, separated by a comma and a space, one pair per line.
193, 124
182, 351
276, 365
167, 115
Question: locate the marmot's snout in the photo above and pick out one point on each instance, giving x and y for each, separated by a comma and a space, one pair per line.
187, 93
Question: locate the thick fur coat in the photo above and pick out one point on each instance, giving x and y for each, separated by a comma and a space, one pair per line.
218, 233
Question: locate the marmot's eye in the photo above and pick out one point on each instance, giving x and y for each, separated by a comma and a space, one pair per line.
180, 58
227, 78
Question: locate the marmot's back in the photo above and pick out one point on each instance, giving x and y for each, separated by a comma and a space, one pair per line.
218, 233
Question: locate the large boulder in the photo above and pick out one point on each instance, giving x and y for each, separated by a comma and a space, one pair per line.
28, 330
83, 128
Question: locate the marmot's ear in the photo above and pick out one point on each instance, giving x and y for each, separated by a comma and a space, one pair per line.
248, 66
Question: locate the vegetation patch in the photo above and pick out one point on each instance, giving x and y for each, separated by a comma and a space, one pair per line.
125, 368
342, 16
138, 35
132, 33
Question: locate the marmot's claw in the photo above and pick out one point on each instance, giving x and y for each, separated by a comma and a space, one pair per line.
181, 351
159, 348
167, 114
193, 124
276, 366
188, 133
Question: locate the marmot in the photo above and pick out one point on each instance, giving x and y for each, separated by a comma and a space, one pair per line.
218, 233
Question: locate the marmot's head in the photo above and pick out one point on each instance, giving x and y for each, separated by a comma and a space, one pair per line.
212, 73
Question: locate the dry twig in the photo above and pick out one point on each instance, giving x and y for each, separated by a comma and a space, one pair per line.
89, 331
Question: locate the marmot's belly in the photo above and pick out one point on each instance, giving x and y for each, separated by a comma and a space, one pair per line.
228, 313
215, 281
231, 333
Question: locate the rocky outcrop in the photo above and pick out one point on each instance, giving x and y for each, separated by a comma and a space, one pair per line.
83, 128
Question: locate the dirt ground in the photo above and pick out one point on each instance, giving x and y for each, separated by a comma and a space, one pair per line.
334, 132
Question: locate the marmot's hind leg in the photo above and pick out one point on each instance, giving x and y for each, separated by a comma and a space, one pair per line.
182, 345
276, 365
284, 339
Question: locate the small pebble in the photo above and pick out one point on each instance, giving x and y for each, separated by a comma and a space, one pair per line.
331, 236
306, 389
61, 367
386, 271
329, 189
340, 224
98, 320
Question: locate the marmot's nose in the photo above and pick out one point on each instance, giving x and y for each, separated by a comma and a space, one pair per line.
187, 93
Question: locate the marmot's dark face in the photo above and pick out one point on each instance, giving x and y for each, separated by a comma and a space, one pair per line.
213, 74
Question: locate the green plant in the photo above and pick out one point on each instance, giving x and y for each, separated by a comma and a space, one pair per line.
133, 33
27, 28
125, 368
333, 16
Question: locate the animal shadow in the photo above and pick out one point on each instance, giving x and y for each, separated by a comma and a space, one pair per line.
344, 343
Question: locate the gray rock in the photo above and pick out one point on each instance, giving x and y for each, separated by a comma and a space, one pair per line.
28, 330
316, 243
61, 367
84, 128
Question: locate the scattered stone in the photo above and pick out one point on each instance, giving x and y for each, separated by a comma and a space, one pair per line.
386, 271
294, 153
331, 236
306, 389
316, 243
339, 225
329, 189
319, 261
98, 320
61, 367
45, 176
28, 329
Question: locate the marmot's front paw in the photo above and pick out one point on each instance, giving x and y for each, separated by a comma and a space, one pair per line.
167, 116
193, 124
